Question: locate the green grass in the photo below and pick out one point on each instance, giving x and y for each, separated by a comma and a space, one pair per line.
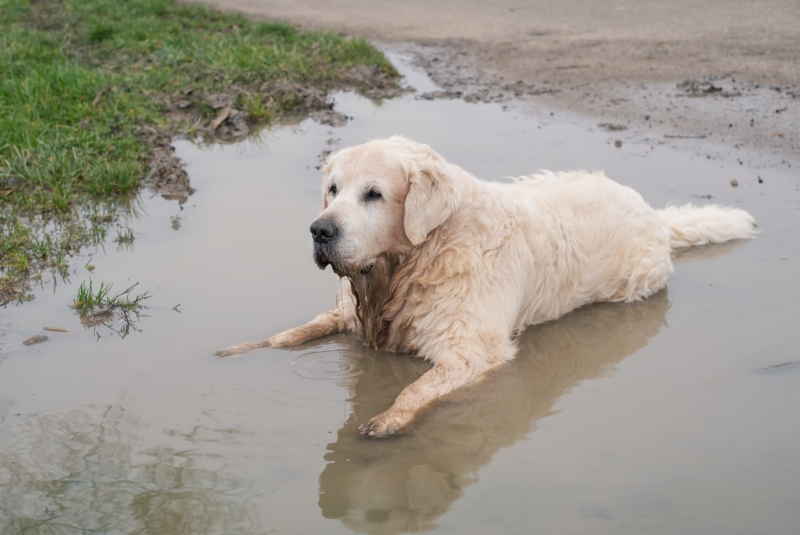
80, 78
99, 307
88, 298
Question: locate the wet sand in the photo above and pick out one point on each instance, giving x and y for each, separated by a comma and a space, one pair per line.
682, 72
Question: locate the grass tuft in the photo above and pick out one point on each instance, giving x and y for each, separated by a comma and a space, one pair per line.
88, 298
99, 307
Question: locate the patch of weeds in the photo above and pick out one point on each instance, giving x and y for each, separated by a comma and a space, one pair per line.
99, 307
91, 92
88, 298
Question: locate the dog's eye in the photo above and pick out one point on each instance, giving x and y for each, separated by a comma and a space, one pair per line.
333, 189
374, 195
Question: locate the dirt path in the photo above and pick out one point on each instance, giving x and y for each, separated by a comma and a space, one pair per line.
727, 71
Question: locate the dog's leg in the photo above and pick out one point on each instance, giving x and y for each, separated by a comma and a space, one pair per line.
447, 374
326, 323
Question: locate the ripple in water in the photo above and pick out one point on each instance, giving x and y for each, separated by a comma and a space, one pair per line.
326, 364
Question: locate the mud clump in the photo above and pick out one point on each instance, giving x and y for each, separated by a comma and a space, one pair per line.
372, 82
38, 339
435, 95
330, 117
167, 176
696, 88
611, 127
230, 124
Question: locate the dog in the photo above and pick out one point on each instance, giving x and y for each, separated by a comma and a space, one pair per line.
450, 268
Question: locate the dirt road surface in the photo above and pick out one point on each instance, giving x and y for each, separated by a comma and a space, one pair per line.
725, 71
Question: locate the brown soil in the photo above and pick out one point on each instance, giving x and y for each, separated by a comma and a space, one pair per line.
641, 65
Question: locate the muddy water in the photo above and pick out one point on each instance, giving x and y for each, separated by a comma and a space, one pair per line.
676, 415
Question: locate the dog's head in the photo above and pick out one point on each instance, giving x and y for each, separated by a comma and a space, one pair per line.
384, 196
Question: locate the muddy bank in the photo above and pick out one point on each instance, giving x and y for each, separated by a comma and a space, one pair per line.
232, 122
625, 63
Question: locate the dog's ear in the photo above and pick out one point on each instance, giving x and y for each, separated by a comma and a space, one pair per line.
432, 195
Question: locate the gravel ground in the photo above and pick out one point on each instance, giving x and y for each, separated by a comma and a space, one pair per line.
723, 71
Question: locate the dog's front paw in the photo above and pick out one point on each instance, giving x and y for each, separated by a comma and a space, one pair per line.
244, 347
385, 424
228, 352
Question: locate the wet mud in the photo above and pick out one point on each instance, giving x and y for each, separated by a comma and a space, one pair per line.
676, 414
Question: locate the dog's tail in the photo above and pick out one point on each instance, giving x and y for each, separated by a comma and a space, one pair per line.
697, 225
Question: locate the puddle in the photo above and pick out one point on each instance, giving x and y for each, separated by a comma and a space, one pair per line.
654, 417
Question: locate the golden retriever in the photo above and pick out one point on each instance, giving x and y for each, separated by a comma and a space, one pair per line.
451, 268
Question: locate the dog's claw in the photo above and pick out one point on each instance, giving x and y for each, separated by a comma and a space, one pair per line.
383, 425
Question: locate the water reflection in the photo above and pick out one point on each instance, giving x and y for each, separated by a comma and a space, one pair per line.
404, 484
59, 238
707, 253
85, 471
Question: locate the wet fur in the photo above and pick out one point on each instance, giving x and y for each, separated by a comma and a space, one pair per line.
451, 268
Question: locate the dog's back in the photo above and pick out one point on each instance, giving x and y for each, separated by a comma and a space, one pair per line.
593, 239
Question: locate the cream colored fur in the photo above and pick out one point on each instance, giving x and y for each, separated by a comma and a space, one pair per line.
451, 268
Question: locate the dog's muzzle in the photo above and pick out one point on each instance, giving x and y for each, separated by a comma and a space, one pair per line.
325, 233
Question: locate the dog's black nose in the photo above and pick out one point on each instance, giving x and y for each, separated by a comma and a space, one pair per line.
324, 230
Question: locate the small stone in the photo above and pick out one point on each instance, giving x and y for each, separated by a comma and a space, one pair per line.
734, 183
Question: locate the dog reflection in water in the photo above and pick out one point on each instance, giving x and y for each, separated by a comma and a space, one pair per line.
389, 487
